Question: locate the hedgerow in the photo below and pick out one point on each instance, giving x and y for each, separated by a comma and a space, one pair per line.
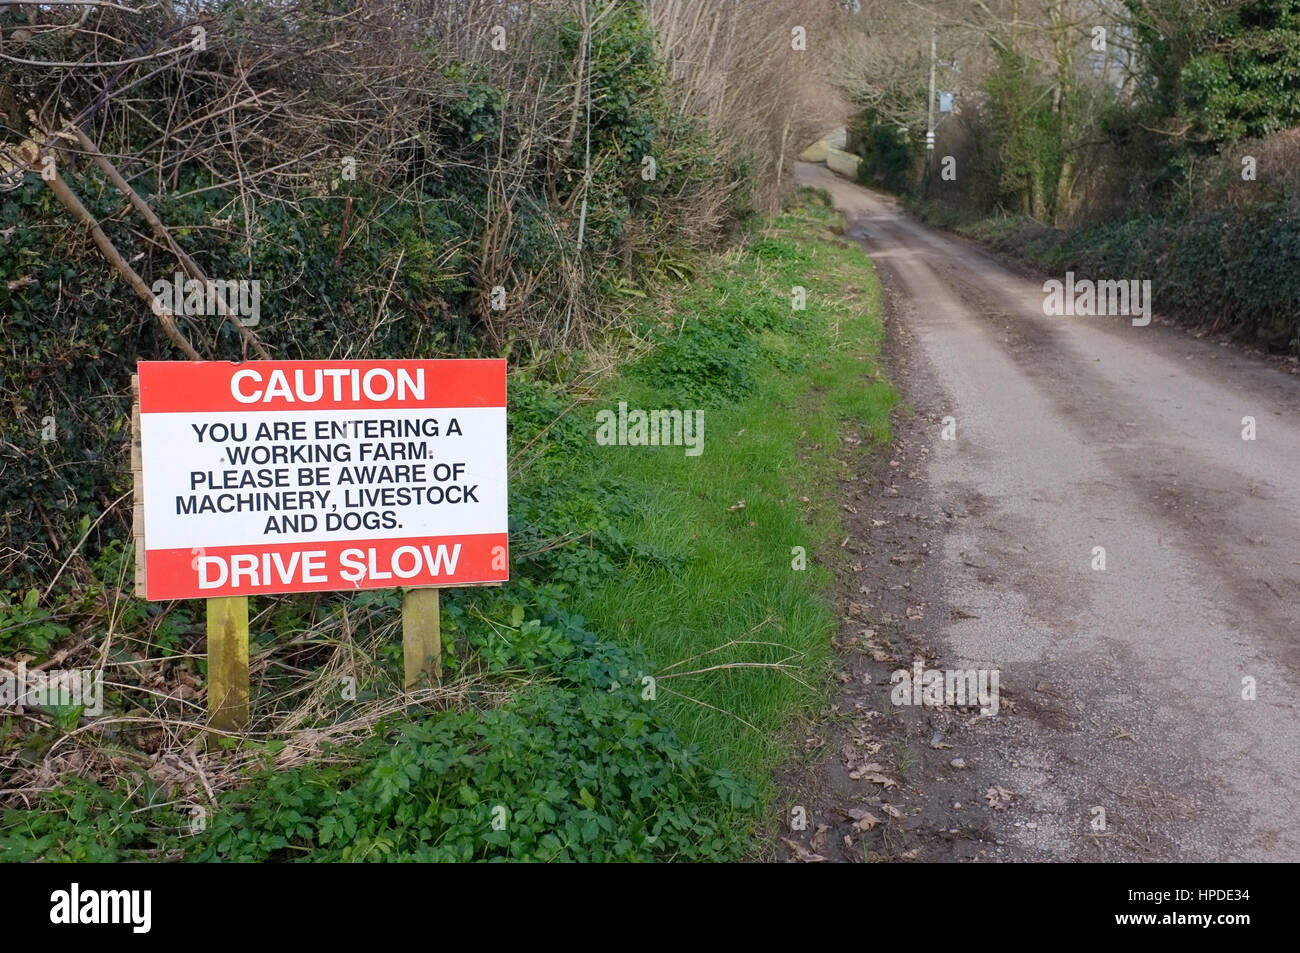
467, 179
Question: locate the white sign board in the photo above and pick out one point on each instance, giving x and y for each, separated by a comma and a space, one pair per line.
300, 476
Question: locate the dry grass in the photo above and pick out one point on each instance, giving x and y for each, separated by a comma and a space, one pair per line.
157, 727
279, 96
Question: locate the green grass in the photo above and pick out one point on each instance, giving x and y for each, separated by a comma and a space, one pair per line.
812, 380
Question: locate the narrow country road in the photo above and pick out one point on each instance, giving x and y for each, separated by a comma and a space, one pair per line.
1073, 433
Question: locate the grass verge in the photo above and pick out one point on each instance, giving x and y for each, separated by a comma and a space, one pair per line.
740, 632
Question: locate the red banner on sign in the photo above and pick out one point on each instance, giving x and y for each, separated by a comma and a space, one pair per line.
326, 567
170, 387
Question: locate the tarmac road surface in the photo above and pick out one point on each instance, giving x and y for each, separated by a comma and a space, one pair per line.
1073, 433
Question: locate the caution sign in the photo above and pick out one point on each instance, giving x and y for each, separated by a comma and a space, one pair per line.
307, 476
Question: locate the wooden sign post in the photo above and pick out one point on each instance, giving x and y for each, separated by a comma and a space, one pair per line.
271, 477
227, 617
421, 636
228, 663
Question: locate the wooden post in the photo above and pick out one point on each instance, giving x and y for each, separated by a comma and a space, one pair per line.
227, 617
137, 482
228, 663
421, 636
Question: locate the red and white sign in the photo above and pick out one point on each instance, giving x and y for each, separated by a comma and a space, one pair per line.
302, 476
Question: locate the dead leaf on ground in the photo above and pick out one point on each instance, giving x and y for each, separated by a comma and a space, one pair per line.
867, 821
818, 841
999, 797
803, 853
872, 773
